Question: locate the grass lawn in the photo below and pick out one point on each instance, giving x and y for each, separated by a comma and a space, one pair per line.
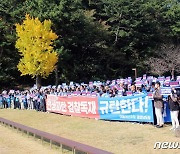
12, 142
116, 137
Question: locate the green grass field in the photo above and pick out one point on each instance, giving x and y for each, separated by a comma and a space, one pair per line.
116, 137
12, 142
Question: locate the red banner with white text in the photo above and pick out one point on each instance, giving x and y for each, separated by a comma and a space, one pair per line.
76, 105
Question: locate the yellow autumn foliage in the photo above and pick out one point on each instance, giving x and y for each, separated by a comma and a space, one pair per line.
35, 44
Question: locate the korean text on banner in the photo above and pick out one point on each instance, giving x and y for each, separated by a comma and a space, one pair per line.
75, 106
128, 108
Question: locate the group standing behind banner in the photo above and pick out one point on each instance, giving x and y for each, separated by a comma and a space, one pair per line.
119, 99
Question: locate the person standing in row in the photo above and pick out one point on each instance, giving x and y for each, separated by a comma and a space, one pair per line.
158, 104
174, 108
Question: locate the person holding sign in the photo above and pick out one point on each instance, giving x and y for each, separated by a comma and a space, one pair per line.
174, 108
158, 104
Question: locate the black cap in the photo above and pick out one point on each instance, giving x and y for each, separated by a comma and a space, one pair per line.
178, 92
157, 82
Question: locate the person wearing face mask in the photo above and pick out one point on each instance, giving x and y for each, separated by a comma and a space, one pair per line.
158, 104
174, 108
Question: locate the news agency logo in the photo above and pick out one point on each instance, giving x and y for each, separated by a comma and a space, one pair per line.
167, 145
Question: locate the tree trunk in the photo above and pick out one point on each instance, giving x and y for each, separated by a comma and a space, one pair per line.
38, 81
56, 76
116, 38
172, 73
1, 52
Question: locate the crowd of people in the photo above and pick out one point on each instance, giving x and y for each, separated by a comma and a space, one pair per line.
34, 99
27, 99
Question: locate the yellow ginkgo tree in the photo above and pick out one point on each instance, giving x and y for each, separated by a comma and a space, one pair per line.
35, 44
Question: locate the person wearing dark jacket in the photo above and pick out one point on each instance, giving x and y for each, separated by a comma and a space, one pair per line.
174, 109
158, 104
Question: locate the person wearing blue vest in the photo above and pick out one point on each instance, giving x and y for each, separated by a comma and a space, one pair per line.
42, 102
1, 101
12, 100
8, 100
4, 102
17, 103
25, 101
37, 101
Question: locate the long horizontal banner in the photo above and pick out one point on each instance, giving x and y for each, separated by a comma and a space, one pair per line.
127, 108
76, 106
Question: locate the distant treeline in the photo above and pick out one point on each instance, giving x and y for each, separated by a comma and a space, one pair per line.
98, 39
